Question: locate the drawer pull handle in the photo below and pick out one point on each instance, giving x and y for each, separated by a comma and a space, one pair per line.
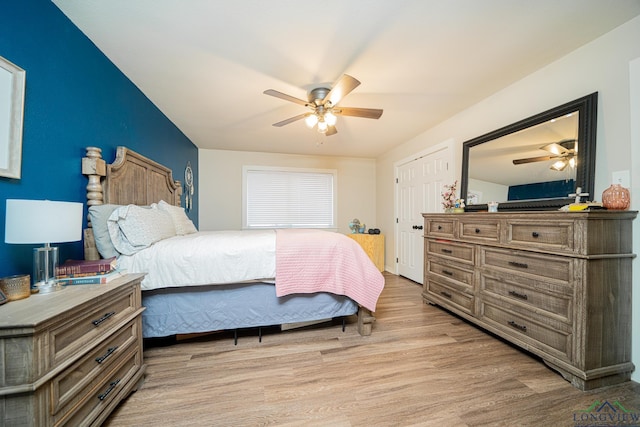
518, 264
445, 294
477, 230
535, 234
447, 251
447, 272
439, 227
112, 385
518, 295
103, 318
109, 352
515, 325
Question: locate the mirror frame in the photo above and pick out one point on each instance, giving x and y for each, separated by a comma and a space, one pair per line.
587, 107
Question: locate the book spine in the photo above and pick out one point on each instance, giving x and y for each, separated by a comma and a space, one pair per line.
75, 276
83, 281
66, 270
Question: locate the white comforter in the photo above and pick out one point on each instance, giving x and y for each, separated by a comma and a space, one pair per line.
206, 257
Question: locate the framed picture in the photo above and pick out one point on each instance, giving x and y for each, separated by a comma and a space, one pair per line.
12, 80
474, 197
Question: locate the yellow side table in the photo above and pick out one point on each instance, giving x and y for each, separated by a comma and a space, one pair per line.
373, 245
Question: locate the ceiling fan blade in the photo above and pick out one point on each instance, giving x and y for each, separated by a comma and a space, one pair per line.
341, 89
291, 120
331, 130
534, 159
367, 113
286, 97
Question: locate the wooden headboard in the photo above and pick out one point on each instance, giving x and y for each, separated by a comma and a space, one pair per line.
131, 179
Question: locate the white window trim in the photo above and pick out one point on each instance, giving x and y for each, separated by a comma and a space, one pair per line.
246, 169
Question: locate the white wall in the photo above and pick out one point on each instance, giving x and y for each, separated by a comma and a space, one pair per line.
220, 179
603, 66
635, 205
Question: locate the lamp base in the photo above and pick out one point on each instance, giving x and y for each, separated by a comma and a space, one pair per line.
45, 261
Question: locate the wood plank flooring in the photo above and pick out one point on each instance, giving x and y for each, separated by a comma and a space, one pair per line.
422, 366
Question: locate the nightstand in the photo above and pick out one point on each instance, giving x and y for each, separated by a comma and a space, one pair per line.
70, 357
373, 245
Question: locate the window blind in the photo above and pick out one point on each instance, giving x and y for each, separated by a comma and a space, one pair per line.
285, 198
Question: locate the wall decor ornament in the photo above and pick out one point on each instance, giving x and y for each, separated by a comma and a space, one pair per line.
12, 82
189, 187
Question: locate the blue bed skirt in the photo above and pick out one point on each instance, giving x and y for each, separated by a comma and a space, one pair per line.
173, 311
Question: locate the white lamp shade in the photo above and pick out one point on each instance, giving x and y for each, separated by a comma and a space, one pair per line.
42, 221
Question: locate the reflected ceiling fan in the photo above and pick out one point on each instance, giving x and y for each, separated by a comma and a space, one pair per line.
323, 103
563, 152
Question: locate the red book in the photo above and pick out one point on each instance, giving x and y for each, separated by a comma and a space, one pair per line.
75, 266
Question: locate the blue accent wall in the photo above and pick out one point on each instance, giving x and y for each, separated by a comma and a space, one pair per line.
75, 97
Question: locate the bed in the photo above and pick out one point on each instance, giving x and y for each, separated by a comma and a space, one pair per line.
236, 282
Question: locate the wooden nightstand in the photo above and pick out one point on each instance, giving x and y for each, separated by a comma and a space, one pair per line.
373, 245
71, 356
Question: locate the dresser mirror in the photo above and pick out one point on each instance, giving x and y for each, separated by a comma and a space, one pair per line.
536, 163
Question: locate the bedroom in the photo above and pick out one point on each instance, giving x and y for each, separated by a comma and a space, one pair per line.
65, 112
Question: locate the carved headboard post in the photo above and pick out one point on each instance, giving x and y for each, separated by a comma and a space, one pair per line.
95, 168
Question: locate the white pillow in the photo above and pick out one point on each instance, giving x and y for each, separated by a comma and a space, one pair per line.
181, 221
133, 228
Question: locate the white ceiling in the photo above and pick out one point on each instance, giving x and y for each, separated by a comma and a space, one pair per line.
205, 63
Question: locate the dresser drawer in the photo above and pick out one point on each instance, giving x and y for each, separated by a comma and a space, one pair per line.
444, 269
449, 295
556, 341
484, 231
70, 384
556, 235
105, 388
456, 251
89, 322
439, 227
524, 263
537, 297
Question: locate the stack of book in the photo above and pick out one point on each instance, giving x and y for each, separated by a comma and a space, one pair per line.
87, 272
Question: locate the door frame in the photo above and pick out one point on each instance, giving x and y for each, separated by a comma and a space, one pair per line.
454, 150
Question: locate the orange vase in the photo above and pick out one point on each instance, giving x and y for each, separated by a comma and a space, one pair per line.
616, 197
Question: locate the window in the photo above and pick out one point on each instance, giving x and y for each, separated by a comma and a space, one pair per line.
288, 198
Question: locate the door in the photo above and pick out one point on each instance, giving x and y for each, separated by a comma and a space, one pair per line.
419, 187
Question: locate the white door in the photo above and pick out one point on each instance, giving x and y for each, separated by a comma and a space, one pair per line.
419, 187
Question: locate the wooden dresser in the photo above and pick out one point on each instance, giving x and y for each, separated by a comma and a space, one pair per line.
69, 357
554, 283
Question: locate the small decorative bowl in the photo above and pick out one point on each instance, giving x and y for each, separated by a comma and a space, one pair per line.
16, 287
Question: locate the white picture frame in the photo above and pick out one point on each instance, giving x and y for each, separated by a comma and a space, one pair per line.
12, 84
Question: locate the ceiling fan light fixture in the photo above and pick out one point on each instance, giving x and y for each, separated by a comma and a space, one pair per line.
322, 126
572, 162
554, 148
330, 118
559, 165
311, 120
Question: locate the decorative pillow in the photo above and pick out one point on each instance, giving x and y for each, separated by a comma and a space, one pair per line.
99, 215
180, 219
133, 228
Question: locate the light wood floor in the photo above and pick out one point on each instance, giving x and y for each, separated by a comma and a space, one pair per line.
421, 366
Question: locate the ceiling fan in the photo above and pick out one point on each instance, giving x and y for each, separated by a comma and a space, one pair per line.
564, 152
323, 103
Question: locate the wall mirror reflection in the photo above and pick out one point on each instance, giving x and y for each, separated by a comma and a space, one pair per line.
534, 164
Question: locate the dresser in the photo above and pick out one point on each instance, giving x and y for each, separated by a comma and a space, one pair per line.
373, 245
557, 284
69, 357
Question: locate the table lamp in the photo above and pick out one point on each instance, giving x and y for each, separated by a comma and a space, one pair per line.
46, 222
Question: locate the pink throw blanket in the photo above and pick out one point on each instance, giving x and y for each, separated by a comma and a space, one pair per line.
309, 261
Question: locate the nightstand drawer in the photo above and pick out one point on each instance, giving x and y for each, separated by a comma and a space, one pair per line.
69, 384
88, 322
99, 394
439, 228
